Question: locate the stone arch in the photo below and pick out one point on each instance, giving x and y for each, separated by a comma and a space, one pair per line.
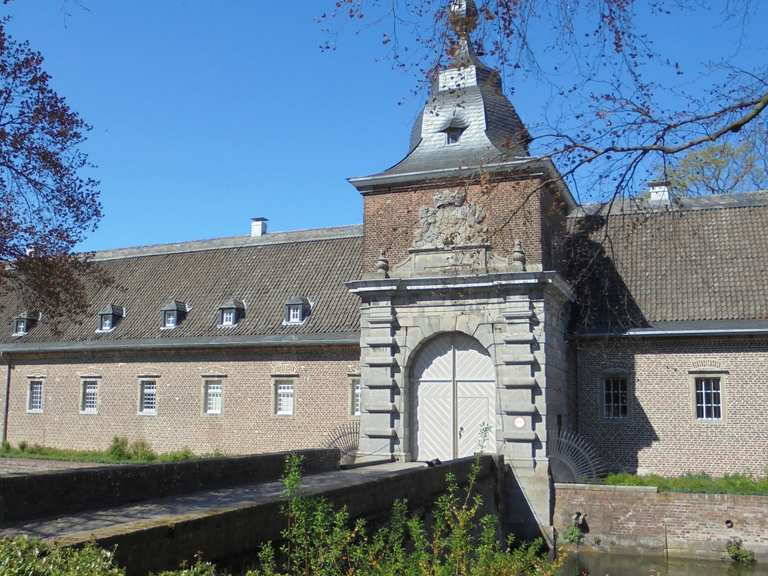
451, 392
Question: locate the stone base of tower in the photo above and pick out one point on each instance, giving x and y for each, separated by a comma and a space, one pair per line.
515, 320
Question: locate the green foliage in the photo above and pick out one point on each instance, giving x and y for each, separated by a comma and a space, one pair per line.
694, 483
199, 568
6, 446
722, 168
321, 541
738, 553
119, 451
24, 557
573, 535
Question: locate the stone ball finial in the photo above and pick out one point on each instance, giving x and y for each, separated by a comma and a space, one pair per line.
518, 256
382, 263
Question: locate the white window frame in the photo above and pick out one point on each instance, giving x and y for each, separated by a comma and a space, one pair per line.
232, 313
356, 388
84, 408
286, 386
714, 380
167, 315
459, 132
25, 330
143, 383
613, 379
208, 408
295, 314
33, 382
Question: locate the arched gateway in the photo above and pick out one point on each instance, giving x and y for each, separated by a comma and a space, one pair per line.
454, 398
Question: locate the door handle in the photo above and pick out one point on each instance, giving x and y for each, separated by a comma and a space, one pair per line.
461, 431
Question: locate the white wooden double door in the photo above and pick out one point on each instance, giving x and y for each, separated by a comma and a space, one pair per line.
455, 399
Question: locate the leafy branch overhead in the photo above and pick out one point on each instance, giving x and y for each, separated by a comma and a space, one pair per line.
47, 202
616, 101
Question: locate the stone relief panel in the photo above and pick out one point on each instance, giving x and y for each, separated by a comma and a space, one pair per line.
452, 222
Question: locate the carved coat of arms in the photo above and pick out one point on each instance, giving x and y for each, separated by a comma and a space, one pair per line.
452, 222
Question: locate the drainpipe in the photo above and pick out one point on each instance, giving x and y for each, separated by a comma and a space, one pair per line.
6, 396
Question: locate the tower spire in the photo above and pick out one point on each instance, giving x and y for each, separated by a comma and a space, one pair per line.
462, 18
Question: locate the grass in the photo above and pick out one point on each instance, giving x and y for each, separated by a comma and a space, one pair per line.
119, 452
743, 484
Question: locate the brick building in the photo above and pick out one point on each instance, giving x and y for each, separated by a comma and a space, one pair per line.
477, 306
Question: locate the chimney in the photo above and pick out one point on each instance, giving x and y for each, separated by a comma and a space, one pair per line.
659, 193
258, 227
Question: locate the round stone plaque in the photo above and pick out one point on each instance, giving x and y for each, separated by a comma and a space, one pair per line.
519, 422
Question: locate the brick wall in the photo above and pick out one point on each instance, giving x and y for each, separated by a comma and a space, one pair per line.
639, 520
513, 211
661, 433
247, 423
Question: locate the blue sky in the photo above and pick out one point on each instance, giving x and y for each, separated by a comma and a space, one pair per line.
208, 113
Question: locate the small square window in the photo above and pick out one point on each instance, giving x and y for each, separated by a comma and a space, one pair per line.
35, 396
708, 399
90, 397
615, 398
148, 397
453, 135
295, 314
106, 323
228, 317
213, 395
356, 397
170, 318
284, 397
20, 326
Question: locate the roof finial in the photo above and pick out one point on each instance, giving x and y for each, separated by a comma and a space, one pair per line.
462, 16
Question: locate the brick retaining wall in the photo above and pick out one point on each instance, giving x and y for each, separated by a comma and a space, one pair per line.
629, 519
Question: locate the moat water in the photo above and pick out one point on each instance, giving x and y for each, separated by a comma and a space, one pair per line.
591, 564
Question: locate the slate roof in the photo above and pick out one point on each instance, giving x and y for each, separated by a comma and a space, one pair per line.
264, 273
699, 260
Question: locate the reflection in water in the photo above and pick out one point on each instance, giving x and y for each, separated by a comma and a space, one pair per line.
591, 564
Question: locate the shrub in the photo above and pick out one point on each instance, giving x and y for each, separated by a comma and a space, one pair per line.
6, 446
23, 445
141, 450
118, 449
24, 557
573, 535
738, 553
321, 541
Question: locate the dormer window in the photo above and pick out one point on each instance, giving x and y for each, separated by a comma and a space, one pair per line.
297, 310
20, 327
171, 319
24, 322
453, 135
231, 312
109, 317
173, 314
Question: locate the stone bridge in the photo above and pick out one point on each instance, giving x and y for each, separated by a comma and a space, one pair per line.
227, 521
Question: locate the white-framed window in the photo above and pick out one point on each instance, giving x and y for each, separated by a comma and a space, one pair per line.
20, 327
148, 397
170, 319
615, 397
295, 314
453, 135
357, 398
708, 398
89, 400
35, 396
106, 323
228, 317
284, 397
213, 396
